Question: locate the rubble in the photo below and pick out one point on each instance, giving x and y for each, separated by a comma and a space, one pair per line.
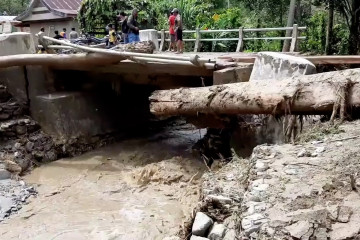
13, 195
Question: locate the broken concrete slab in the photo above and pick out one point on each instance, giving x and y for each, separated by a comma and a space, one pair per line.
277, 66
201, 225
237, 74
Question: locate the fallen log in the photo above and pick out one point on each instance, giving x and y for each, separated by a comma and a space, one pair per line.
311, 94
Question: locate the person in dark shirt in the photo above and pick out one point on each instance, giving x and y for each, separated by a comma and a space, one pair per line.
133, 27
57, 35
124, 27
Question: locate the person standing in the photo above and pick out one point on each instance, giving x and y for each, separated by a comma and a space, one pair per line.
63, 33
124, 27
133, 27
112, 36
172, 45
42, 31
57, 35
73, 34
179, 31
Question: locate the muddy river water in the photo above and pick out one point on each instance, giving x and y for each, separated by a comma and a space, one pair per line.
134, 189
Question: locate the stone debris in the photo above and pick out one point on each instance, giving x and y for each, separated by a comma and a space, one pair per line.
217, 232
201, 224
299, 229
344, 214
13, 195
303, 153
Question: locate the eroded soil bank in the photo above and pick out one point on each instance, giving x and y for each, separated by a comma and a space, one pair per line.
135, 189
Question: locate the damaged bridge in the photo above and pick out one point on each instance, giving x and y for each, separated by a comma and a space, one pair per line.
100, 91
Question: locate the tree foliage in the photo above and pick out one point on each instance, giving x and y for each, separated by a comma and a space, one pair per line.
226, 14
13, 7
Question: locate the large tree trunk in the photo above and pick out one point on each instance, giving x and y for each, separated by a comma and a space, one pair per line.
329, 32
312, 94
290, 23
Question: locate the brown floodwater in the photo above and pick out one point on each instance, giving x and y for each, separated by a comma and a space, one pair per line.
134, 189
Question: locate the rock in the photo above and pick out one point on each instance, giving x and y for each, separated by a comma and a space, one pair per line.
303, 153
320, 234
193, 237
217, 232
318, 150
299, 229
172, 238
12, 167
201, 225
230, 234
4, 174
261, 166
5, 204
21, 130
50, 156
17, 146
29, 146
253, 223
220, 199
344, 214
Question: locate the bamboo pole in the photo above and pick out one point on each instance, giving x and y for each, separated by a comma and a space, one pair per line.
130, 55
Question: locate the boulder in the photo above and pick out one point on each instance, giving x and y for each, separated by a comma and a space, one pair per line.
201, 224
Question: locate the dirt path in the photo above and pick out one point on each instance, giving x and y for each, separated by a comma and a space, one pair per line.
137, 189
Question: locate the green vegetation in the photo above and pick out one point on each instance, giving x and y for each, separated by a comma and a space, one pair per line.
333, 25
13, 7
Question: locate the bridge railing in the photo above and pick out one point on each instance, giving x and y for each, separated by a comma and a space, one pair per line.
295, 36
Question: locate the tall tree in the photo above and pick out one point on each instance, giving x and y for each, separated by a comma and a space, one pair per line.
329, 32
290, 23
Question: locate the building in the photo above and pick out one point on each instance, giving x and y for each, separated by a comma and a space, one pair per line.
50, 14
8, 24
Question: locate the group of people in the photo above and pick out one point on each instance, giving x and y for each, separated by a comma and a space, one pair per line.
129, 29
63, 35
176, 32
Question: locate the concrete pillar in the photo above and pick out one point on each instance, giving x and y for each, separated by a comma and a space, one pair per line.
150, 34
16, 43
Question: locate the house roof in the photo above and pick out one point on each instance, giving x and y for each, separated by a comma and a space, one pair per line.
55, 9
70, 7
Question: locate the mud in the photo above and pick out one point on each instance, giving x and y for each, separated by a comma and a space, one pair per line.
135, 189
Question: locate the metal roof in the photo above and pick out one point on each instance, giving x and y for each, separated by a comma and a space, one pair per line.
59, 9
69, 6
